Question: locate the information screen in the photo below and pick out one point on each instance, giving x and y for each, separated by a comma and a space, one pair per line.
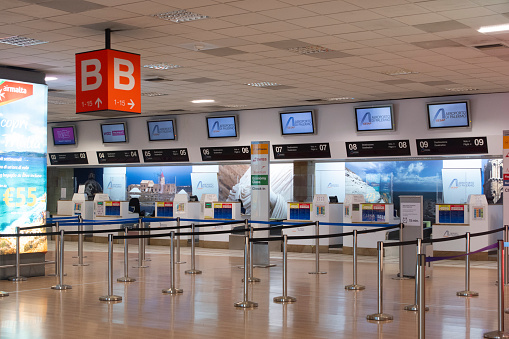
222, 127
64, 135
379, 118
114, 132
161, 130
297, 123
23, 146
449, 114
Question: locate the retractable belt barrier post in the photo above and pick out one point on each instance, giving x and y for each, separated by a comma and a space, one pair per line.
172, 289
415, 306
177, 258
421, 301
61, 285
400, 275
251, 255
467, 292
317, 250
18, 276
126, 277
145, 241
285, 298
354, 286
80, 243
193, 269
246, 303
141, 247
506, 259
110, 296
380, 315
500, 270
57, 229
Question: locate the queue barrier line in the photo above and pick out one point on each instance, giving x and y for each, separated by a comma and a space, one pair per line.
489, 247
62, 218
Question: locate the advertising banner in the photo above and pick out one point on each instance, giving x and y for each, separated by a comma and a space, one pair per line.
260, 203
23, 146
505, 166
204, 183
458, 184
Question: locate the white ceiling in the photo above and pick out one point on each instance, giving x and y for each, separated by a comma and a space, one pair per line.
250, 40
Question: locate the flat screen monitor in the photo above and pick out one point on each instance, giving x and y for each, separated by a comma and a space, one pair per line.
374, 118
448, 114
161, 130
64, 135
222, 127
295, 123
114, 132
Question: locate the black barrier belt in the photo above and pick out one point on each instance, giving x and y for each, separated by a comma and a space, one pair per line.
487, 232
282, 227
28, 234
429, 241
378, 229
144, 236
184, 226
95, 231
32, 227
220, 223
256, 240
321, 236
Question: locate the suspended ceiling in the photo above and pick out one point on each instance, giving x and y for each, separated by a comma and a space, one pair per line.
316, 51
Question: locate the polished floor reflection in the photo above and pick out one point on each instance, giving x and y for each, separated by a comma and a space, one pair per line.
324, 309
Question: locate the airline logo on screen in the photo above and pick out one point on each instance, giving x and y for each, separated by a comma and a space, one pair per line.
442, 115
156, 131
11, 91
115, 133
457, 184
369, 118
217, 128
292, 123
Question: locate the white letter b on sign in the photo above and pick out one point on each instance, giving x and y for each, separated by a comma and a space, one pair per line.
94, 73
117, 74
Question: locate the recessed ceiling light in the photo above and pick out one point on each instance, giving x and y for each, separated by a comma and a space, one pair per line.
182, 15
152, 94
50, 78
21, 41
339, 99
234, 106
263, 84
162, 66
202, 101
399, 72
494, 28
462, 89
310, 49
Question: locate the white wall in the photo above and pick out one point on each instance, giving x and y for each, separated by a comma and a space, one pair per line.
336, 125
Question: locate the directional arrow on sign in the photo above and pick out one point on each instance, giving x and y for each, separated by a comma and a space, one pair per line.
131, 104
98, 102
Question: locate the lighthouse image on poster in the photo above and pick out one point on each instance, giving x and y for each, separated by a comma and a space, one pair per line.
23, 147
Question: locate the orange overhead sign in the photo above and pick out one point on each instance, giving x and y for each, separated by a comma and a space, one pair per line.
108, 80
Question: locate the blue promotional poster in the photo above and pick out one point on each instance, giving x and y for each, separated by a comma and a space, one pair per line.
23, 147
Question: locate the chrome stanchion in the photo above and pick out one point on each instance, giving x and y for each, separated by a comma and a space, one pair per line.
506, 259
110, 296
145, 243
80, 243
57, 229
415, 306
18, 276
467, 292
251, 256
285, 298
501, 266
177, 258
141, 247
126, 277
172, 289
421, 301
61, 285
246, 303
380, 315
400, 275
317, 250
193, 269
354, 286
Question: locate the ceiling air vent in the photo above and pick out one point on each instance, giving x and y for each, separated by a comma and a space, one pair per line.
490, 47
